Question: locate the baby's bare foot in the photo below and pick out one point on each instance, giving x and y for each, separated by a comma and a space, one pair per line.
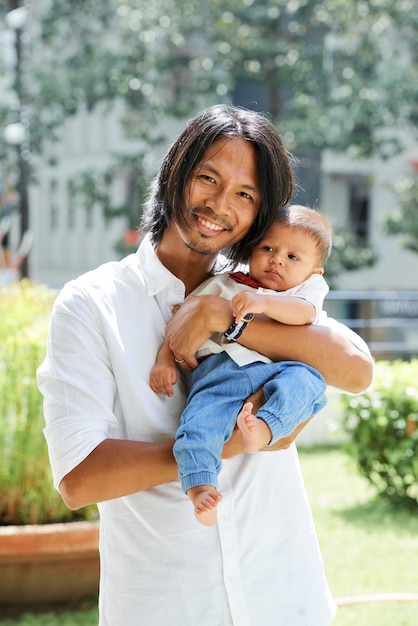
205, 504
255, 432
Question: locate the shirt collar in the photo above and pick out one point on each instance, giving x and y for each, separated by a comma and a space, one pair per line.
157, 277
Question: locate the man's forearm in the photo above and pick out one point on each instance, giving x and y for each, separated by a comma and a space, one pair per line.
340, 362
118, 468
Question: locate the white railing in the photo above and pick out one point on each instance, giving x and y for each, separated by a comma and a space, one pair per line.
387, 320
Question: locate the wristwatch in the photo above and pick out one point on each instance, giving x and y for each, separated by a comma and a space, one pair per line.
236, 329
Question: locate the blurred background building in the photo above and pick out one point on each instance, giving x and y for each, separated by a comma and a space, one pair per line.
86, 121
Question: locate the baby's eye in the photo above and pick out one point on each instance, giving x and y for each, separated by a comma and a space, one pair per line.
267, 249
292, 257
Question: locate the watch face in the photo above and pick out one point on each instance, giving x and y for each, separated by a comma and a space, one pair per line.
248, 317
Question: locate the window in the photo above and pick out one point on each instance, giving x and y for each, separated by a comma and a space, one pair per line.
359, 210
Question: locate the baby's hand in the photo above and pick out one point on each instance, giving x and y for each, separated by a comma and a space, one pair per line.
245, 302
162, 379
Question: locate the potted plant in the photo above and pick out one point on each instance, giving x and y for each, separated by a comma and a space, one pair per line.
42, 556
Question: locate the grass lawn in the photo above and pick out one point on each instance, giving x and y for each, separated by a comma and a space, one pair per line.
368, 548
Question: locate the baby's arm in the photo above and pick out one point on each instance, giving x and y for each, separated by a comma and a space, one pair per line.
285, 309
164, 373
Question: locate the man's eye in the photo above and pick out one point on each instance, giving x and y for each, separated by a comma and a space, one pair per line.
244, 194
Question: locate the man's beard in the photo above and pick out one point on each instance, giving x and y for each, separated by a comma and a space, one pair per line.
197, 250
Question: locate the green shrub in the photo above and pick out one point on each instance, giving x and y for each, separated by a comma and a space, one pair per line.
27, 495
383, 429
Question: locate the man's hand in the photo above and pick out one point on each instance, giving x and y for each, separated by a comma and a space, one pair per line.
234, 445
193, 323
258, 399
283, 444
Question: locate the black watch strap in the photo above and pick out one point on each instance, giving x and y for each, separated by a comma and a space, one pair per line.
236, 329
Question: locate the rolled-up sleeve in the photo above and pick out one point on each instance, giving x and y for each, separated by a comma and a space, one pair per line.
77, 383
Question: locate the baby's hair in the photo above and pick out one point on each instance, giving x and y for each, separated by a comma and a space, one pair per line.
311, 222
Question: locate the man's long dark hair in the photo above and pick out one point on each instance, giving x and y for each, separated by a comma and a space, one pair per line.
275, 178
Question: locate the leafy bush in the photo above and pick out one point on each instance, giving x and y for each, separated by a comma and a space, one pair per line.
383, 429
27, 495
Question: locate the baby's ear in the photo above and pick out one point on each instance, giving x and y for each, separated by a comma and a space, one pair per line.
318, 270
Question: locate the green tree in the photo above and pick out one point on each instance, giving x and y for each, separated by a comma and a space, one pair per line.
334, 73
331, 73
149, 55
348, 254
402, 220
337, 73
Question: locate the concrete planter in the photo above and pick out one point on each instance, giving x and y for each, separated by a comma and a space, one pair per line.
48, 563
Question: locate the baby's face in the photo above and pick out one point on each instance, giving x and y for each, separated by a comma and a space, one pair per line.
284, 258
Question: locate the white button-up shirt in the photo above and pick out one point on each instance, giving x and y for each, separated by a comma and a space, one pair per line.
260, 565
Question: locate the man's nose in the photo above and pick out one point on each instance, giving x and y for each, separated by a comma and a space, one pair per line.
218, 201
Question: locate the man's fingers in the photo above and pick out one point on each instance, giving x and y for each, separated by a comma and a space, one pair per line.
257, 398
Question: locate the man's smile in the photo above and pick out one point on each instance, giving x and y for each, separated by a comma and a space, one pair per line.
208, 224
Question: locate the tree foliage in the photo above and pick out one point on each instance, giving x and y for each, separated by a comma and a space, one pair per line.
402, 220
330, 73
348, 254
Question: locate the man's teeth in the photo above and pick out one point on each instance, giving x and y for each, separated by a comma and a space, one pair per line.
210, 225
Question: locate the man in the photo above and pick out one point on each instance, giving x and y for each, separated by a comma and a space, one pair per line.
110, 437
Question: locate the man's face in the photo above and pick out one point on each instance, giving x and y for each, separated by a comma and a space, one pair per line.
222, 197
